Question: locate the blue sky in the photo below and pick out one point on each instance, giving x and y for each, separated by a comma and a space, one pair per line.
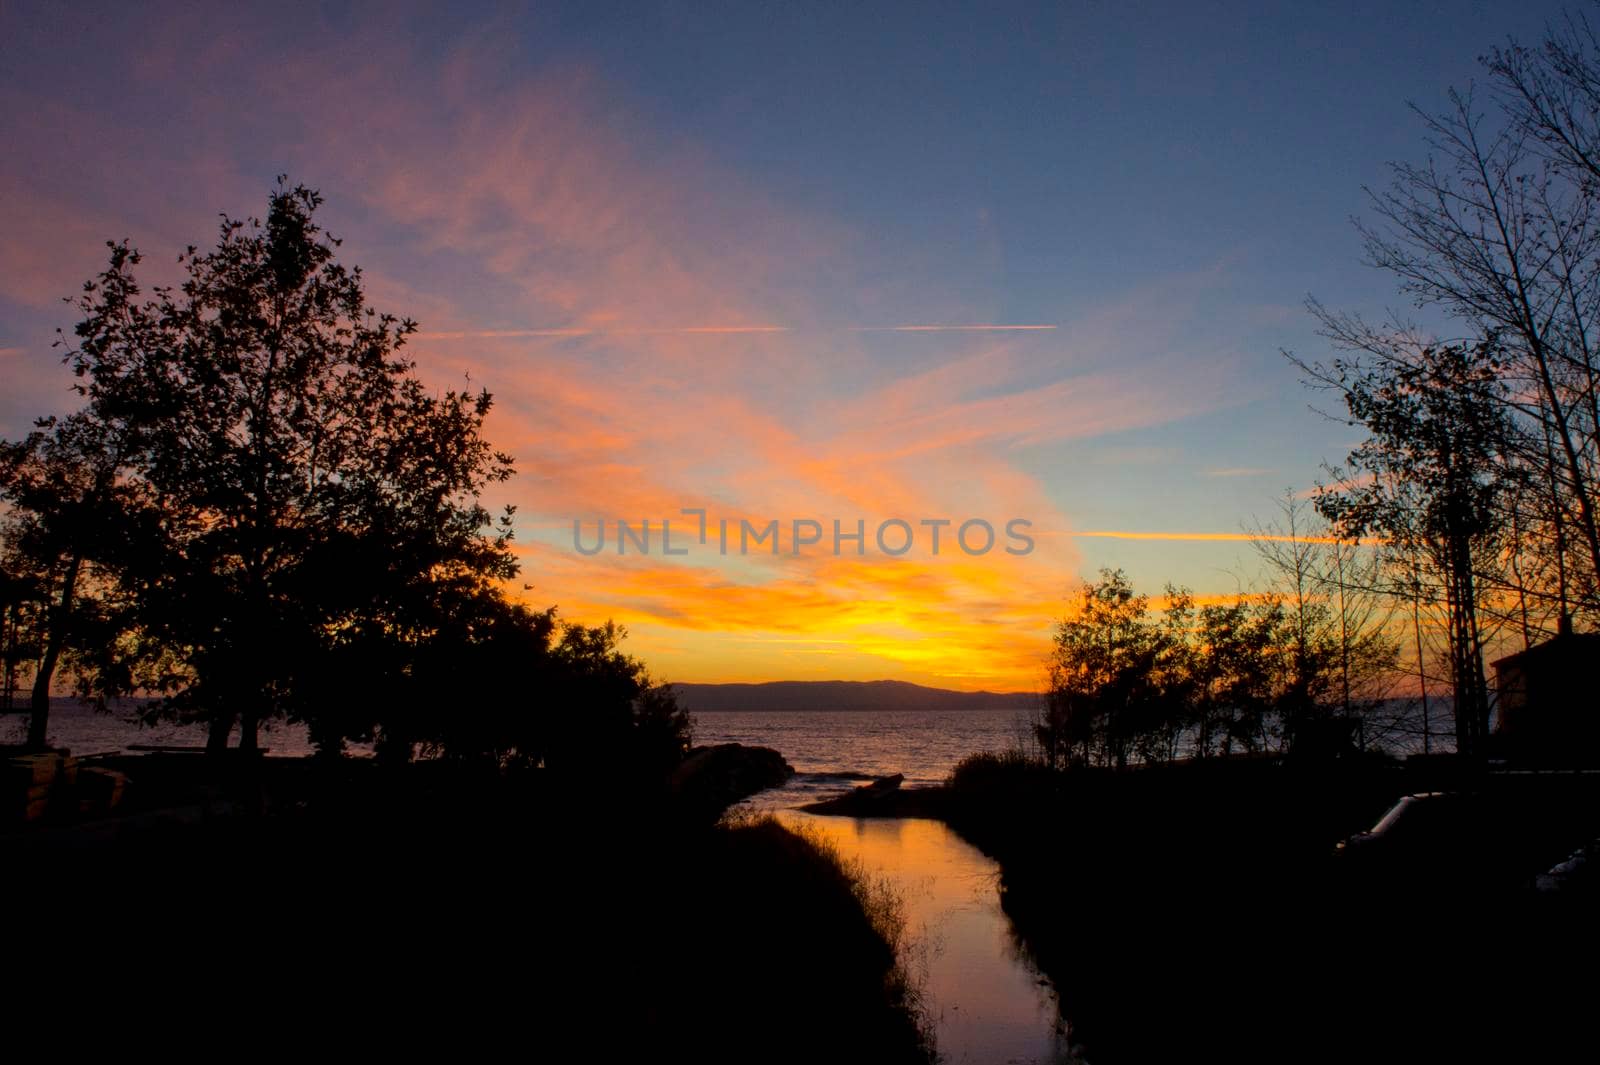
1162, 184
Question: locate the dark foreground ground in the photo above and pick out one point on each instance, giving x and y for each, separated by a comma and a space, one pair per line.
1192, 913
439, 911
1201, 912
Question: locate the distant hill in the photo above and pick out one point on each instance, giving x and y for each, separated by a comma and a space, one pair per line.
783, 695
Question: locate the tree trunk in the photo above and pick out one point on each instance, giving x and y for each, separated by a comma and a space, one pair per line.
393, 748
249, 724
221, 725
10, 617
1422, 671
1466, 653
39, 718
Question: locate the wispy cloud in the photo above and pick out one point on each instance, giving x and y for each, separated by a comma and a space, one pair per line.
656, 336
1203, 537
638, 331
516, 334
1237, 471
981, 328
1347, 484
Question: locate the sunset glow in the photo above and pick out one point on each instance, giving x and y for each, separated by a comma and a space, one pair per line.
677, 306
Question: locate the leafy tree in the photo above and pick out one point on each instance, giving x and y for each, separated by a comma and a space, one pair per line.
21, 601
71, 519
1333, 595
1255, 675
1434, 455
538, 693
1164, 717
261, 511
307, 483
1106, 697
1237, 667
623, 710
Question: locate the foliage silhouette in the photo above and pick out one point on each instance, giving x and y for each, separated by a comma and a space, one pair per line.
1130, 684
1434, 485
261, 511
306, 480
72, 522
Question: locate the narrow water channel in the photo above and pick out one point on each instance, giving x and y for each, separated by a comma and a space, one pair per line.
988, 1003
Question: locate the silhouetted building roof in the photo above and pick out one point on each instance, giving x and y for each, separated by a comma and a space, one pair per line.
1548, 701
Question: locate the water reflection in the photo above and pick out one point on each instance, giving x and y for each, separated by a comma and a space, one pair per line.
989, 1004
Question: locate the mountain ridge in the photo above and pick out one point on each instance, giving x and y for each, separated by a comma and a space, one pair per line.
802, 695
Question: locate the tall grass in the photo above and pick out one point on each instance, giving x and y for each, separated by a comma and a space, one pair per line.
861, 920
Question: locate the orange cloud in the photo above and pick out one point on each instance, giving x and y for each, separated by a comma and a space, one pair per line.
623, 410
651, 327
1348, 484
955, 622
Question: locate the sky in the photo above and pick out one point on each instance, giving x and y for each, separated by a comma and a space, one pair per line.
773, 262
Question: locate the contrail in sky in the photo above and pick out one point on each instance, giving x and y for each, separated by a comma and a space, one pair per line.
1210, 536
517, 334
520, 334
989, 327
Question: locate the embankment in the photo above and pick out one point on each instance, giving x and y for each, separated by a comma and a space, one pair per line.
1200, 912
444, 905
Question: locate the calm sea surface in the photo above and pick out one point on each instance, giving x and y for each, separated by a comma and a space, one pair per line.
988, 1003
835, 750
830, 750
86, 731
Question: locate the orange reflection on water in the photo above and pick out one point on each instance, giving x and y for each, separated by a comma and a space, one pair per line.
988, 1003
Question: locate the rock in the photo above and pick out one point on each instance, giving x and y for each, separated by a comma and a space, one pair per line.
880, 786
28, 780
711, 779
100, 790
883, 798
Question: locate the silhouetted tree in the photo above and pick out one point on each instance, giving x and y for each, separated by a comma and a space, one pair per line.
1237, 663
532, 692
69, 521
1437, 437
622, 709
270, 515
22, 599
1501, 229
1338, 655
1107, 698
1256, 675
307, 481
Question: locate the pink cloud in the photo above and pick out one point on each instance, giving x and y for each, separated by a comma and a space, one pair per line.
650, 324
